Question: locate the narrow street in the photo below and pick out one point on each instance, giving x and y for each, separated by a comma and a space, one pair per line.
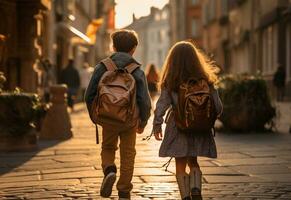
250, 166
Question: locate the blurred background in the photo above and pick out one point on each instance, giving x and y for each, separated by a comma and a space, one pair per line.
47, 43
243, 36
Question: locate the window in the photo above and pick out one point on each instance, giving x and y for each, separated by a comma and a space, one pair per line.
270, 49
163, 34
224, 7
159, 36
288, 53
205, 13
157, 17
194, 27
164, 14
212, 10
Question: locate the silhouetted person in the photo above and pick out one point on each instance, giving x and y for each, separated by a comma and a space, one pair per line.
70, 77
152, 75
279, 82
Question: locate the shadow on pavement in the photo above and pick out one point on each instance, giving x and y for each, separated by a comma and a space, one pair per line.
43, 155
10, 161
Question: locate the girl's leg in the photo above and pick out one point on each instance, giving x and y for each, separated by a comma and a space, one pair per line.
192, 162
183, 179
195, 178
181, 165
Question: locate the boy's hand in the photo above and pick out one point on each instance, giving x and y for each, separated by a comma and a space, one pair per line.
140, 130
159, 136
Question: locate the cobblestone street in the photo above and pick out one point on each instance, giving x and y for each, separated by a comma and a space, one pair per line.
249, 166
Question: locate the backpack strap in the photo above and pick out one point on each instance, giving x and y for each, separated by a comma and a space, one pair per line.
109, 64
131, 67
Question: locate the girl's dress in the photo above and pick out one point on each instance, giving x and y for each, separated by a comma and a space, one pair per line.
179, 144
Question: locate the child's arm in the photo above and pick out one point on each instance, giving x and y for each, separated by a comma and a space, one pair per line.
217, 102
143, 98
163, 104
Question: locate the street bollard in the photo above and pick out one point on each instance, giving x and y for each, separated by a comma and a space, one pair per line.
57, 123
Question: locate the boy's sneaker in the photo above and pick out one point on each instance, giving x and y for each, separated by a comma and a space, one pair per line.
108, 181
123, 195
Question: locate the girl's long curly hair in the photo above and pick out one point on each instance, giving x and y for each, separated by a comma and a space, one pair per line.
185, 61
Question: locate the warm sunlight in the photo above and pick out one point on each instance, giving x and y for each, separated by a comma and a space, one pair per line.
126, 8
120, 99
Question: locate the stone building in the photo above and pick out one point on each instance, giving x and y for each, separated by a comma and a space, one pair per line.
273, 31
247, 36
140, 26
57, 30
106, 12
154, 40
73, 18
185, 20
71, 41
215, 20
287, 15
158, 35
21, 35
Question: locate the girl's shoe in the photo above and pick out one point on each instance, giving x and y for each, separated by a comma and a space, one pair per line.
196, 183
196, 195
183, 181
123, 195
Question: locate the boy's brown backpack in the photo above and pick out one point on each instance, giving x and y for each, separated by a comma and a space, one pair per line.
115, 105
195, 111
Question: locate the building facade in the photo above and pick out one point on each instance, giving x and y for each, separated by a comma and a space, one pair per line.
248, 36
185, 21
140, 26
158, 35
153, 31
287, 15
35, 30
20, 41
75, 18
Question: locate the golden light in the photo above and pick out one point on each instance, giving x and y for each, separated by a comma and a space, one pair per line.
126, 8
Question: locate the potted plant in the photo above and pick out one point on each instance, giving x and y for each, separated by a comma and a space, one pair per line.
247, 106
20, 114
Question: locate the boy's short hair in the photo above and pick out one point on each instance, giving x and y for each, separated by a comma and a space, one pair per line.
124, 40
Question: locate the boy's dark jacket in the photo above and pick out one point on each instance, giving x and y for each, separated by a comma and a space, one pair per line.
142, 95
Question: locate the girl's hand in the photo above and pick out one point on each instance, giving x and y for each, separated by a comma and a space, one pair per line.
159, 136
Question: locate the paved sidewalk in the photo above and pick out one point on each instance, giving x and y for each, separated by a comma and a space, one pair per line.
250, 166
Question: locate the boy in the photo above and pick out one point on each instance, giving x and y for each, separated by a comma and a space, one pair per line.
124, 45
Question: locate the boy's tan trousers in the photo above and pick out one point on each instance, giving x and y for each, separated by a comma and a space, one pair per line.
127, 153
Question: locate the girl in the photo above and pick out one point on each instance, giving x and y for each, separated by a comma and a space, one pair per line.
185, 61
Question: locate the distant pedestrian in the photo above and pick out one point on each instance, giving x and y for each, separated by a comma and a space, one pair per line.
187, 89
152, 75
85, 75
48, 78
279, 83
70, 77
116, 92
